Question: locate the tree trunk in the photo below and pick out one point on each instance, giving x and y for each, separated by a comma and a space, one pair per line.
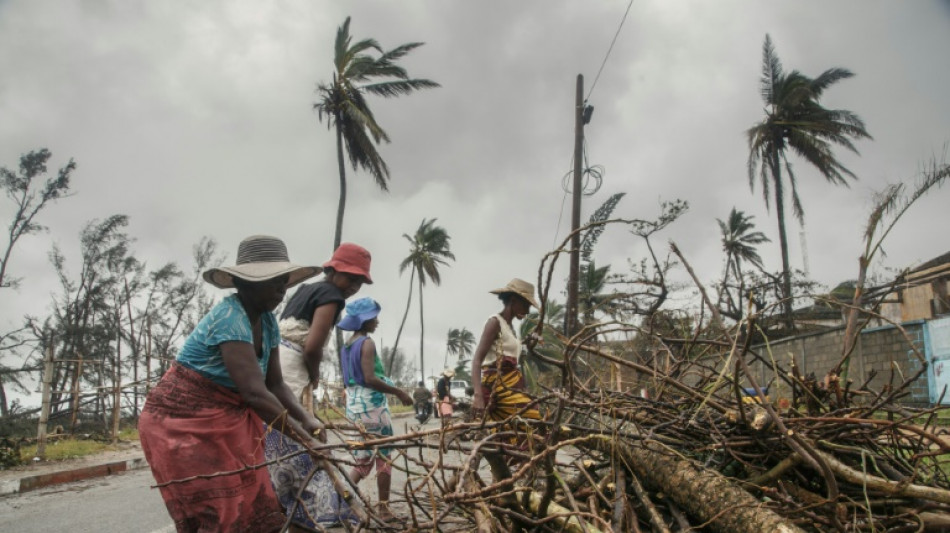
148, 358
783, 242
392, 351
117, 385
75, 394
741, 301
44, 411
706, 495
3, 401
341, 206
422, 335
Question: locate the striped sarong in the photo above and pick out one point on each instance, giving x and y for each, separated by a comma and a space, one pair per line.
503, 389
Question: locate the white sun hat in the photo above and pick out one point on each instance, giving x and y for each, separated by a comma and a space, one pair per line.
260, 258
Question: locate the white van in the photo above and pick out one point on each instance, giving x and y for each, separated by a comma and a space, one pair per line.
457, 389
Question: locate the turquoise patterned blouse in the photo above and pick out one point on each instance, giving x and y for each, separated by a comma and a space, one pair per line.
227, 321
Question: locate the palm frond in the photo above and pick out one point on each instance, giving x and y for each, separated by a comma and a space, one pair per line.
391, 89
771, 71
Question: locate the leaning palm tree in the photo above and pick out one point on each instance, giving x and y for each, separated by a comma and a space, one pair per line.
794, 120
460, 343
739, 241
428, 249
343, 103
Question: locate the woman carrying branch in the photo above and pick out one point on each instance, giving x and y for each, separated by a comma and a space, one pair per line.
206, 416
366, 389
305, 328
498, 383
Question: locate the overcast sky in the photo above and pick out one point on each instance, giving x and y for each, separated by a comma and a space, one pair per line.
195, 119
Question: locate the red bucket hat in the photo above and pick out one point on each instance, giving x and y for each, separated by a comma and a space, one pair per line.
352, 259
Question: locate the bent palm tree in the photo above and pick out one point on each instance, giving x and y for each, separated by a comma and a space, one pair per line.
428, 249
460, 343
794, 120
343, 103
739, 242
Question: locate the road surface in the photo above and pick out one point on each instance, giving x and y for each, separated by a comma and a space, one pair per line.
120, 503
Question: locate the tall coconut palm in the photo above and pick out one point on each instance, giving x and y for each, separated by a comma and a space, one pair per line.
343, 103
739, 241
795, 120
460, 343
428, 250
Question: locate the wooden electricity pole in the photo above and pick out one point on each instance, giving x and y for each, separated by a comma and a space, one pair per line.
572, 280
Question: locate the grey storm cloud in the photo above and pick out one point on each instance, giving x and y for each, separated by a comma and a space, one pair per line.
196, 119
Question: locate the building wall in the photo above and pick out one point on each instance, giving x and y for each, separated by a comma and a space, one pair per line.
916, 303
882, 357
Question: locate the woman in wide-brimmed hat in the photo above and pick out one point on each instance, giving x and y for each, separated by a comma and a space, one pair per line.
305, 327
207, 414
366, 388
498, 383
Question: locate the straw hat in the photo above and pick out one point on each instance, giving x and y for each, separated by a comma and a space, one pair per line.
352, 259
358, 312
260, 258
449, 373
521, 288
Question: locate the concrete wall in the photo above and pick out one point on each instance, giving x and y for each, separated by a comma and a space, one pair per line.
883, 353
883, 350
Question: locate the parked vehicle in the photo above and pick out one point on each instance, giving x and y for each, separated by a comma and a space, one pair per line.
459, 389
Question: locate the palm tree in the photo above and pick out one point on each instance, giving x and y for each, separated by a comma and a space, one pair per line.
460, 343
590, 291
428, 249
344, 105
739, 242
549, 345
795, 120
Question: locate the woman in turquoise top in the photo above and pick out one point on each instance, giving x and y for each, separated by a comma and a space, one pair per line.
366, 389
204, 417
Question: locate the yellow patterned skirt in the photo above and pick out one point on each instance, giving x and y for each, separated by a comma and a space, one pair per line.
503, 389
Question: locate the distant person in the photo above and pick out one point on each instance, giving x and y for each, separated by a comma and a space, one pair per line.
443, 389
422, 399
207, 413
366, 389
305, 327
498, 383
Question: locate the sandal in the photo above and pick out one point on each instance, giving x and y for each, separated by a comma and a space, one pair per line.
384, 513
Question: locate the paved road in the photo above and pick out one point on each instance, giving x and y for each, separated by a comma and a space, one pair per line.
119, 503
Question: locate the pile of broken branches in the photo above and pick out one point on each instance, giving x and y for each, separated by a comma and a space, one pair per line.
703, 457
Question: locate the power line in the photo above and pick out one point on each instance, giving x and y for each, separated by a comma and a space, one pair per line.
609, 50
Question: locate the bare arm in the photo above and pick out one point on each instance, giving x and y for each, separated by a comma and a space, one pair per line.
489, 334
241, 362
368, 365
274, 380
320, 327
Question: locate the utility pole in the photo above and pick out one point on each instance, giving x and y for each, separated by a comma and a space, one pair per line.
574, 274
